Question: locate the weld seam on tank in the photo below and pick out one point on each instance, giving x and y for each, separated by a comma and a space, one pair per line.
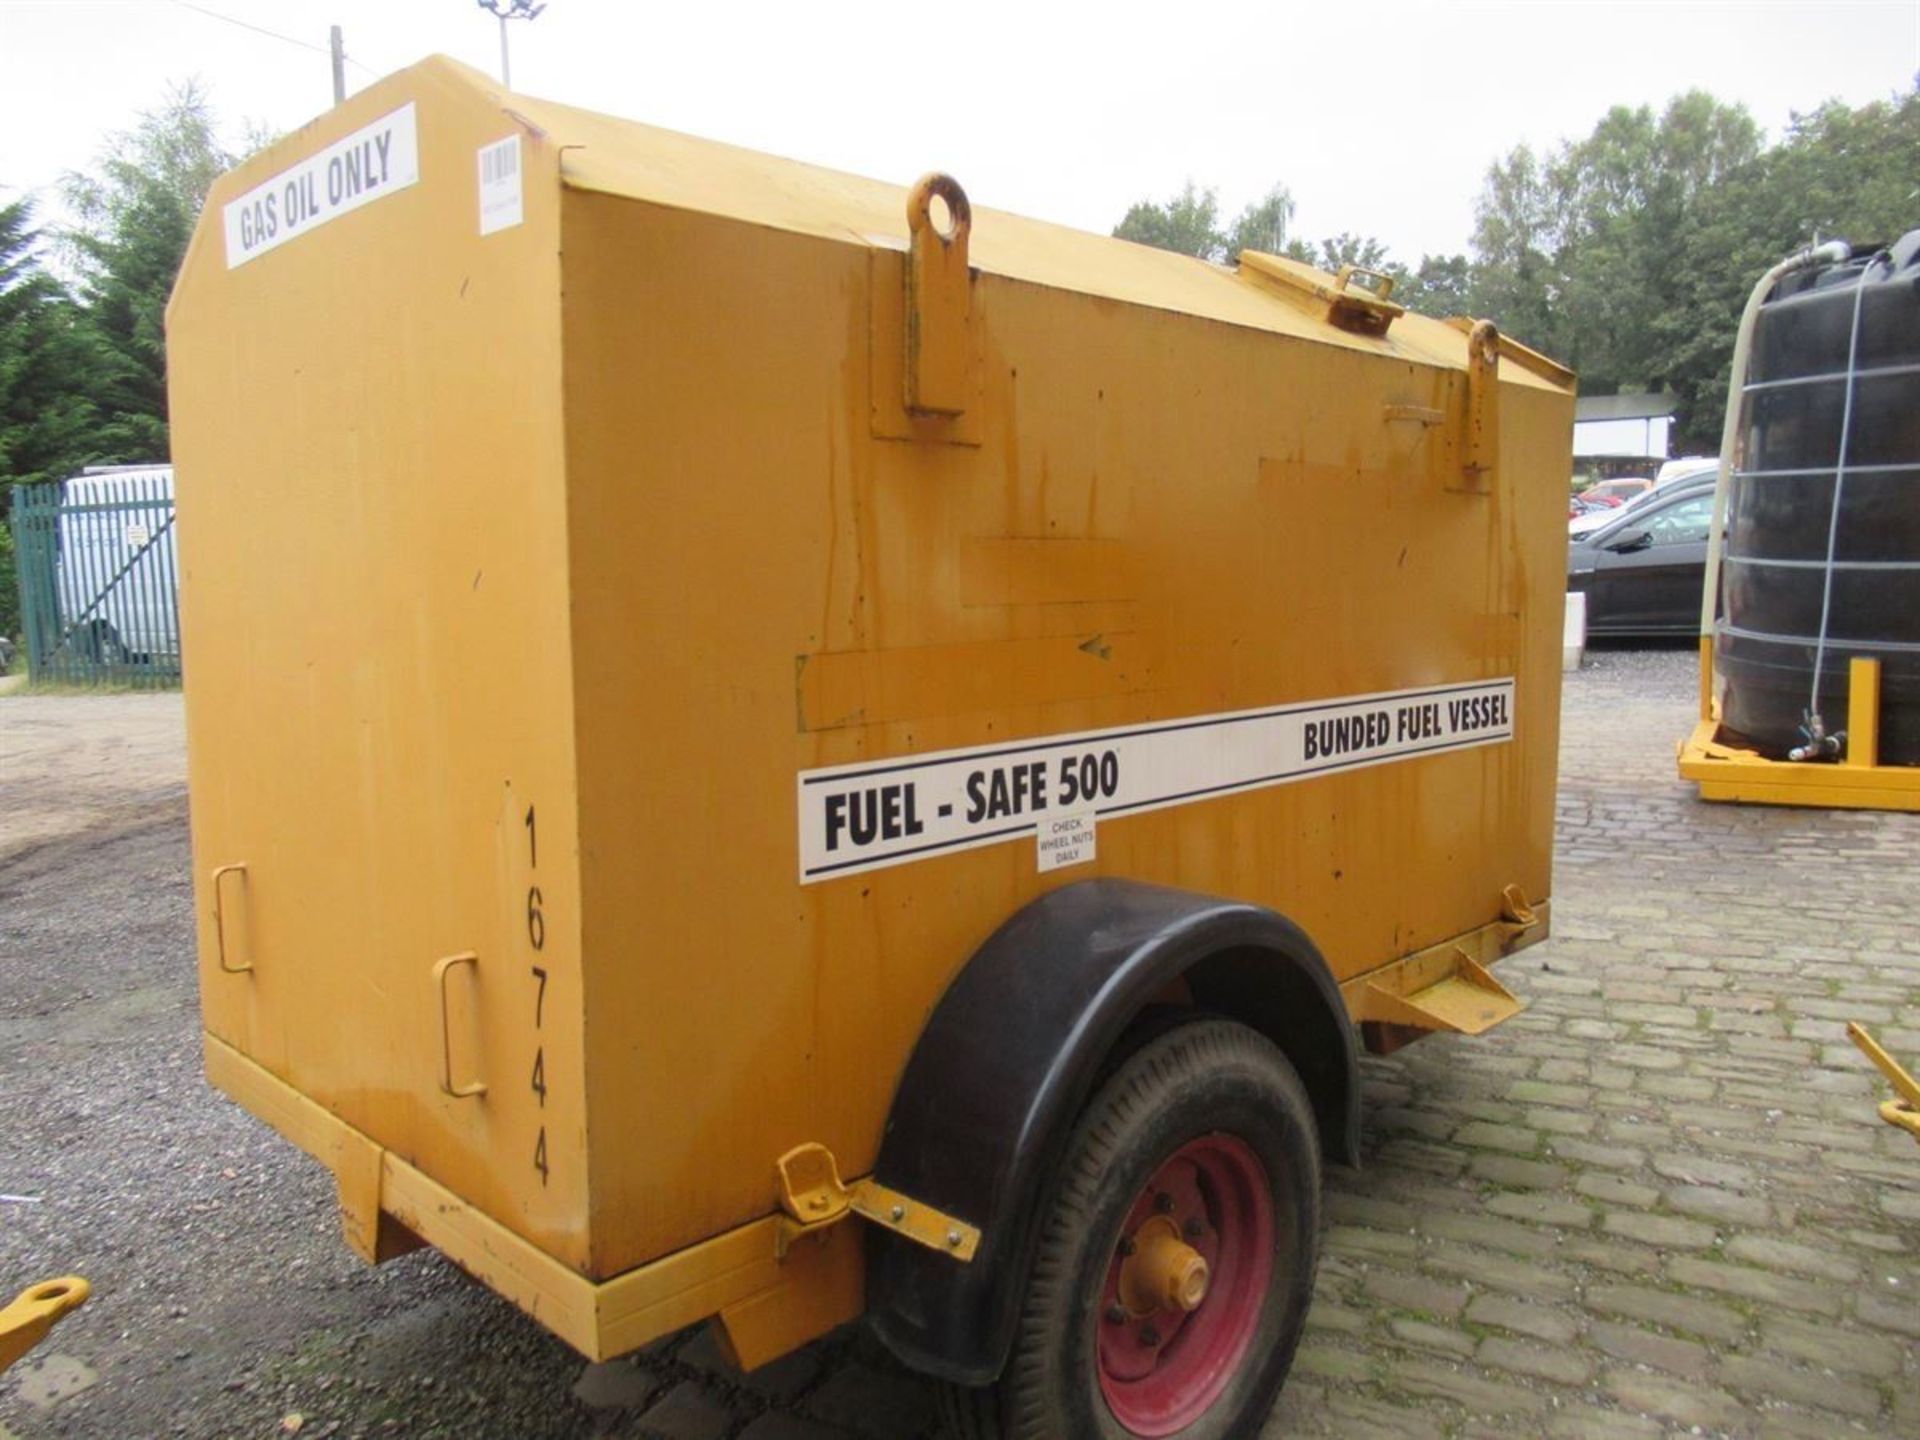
1904, 647
1823, 564
1835, 376
1815, 470
1816, 725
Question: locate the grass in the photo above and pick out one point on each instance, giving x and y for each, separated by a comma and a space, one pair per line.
20, 684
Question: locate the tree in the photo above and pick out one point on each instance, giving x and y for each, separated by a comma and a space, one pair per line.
1441, 286
1188, 223
1263, 224
1515, 276
1363, 252
1838, 172
1629, 193
135, 216
46, 416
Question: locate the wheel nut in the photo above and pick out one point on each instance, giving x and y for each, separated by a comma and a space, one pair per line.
1149, 1336
1116, 1314
1163, 1202
1194, 1229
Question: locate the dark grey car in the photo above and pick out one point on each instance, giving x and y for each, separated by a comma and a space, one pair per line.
1643, 572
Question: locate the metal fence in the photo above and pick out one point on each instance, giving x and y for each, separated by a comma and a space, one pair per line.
99, 578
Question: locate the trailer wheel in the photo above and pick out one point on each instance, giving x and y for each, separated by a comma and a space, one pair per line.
1176, 1256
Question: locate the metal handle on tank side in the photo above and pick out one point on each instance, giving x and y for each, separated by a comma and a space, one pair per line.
472, 1088
220, 921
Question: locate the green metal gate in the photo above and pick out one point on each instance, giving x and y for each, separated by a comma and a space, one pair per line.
99, 578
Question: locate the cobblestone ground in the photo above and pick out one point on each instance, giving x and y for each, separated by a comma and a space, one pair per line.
1659, 1203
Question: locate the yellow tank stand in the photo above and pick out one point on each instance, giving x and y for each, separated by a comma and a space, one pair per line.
1856, 782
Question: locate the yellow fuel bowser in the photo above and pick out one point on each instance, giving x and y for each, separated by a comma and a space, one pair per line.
774, 746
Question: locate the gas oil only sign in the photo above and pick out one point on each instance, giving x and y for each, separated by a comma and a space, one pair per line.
1057, 788
374, 162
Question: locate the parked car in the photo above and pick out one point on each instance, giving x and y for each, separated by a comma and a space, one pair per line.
1688, 467
1619, 491
1643, 568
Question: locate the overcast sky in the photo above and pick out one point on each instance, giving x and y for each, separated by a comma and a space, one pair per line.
1381, 117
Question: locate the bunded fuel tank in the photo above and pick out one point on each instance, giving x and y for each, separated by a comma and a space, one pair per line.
1823, 540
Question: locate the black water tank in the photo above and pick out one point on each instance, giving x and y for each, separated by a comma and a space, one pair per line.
1794, 508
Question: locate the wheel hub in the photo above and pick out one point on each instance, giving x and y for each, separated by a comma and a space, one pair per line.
1164, 1272
1186, 1285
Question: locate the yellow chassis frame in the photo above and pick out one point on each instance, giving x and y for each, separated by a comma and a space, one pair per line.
769, 1296
1858, 782
779, 1281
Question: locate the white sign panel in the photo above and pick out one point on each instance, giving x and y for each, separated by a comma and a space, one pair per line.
1063, 840
374, 162
866, 816
500, 205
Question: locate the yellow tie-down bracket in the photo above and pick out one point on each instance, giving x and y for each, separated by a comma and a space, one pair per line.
1903, 1111
25, 1323
814, 1198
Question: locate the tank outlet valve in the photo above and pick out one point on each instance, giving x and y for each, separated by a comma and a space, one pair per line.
1820, 745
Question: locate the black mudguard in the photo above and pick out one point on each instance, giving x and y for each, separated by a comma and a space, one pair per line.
1012, 1053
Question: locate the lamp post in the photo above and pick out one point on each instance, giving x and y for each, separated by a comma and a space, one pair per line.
506, 10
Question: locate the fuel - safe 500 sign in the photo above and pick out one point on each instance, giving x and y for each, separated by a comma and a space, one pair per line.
865, 816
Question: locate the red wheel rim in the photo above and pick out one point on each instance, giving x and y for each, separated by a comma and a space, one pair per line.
1162, 1365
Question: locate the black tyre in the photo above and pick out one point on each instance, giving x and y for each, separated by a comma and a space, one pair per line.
1176, 1255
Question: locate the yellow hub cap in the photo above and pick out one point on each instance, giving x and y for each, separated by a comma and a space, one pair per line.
1163, 1272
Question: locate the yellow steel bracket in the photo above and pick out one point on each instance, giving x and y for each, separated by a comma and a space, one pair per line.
815, 1198
940, 352
1359, 309
1481, 450
1863, 713
1905, 1110
1516, 915
25, 1323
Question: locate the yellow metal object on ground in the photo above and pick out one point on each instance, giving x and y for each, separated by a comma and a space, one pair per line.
1904, 1110
35, 1311
1856, 782
559, 495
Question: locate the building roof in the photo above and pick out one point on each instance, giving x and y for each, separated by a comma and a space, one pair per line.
1624, 407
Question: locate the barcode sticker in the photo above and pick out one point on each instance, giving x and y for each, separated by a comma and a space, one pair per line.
500, 185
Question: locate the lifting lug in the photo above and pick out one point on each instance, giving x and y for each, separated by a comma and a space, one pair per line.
939, 369
1903, 1111
25, 1323
1482, 447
